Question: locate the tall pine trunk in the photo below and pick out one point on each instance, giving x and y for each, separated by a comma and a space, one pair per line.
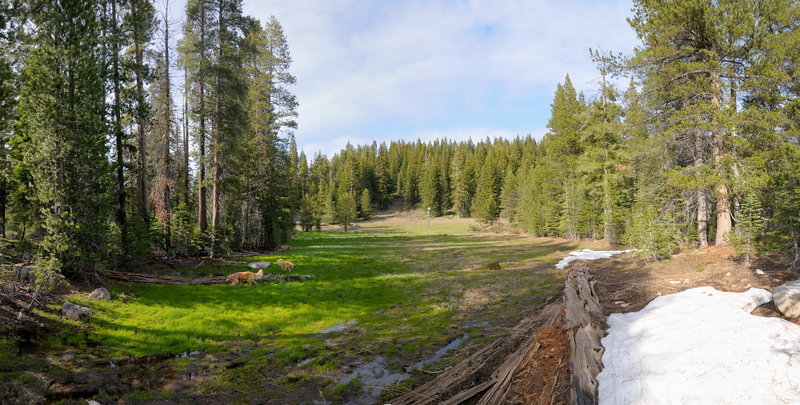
216, 140
118, 135
185, 137
202, 219
167, 216
702, 197
141, 123
724, 223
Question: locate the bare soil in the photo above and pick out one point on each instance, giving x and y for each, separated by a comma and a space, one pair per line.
626, 284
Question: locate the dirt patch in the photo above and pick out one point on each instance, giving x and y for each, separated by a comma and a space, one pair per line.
543, 378
626, 284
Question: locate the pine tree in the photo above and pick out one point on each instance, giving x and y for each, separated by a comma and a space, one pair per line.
365, 204
431, 189
61, 105
140, 24
195, 50
346, 211
163, 134
463, 182
486, 205
509, 197
271, 107
749, 227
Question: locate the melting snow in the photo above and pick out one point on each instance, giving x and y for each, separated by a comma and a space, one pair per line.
701, 346
588, 254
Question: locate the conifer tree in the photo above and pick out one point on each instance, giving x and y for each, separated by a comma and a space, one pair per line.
509, 197
346, 211
365, 204
431, 189
61, 105
486, 205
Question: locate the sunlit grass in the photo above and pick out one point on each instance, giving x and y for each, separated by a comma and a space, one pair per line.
405, 283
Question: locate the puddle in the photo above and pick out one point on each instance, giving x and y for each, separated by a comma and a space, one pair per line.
482, 324
340, 327
304, 362
439, 353
376, 375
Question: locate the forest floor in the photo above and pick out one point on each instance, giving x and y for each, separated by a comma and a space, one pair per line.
391, 303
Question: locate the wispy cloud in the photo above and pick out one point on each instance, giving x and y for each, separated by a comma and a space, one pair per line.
375, 69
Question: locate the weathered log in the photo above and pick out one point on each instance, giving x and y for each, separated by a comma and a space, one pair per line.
585, 324
463, 374
137, 278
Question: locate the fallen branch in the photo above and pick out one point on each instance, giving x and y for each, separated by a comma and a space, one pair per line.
137, 278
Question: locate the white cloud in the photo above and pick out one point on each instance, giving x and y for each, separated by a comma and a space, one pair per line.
362, 64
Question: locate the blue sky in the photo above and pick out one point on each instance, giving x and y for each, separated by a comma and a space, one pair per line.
406, 69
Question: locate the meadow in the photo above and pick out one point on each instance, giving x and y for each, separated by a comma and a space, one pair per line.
399, 287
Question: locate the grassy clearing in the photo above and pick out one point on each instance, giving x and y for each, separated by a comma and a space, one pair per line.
411, 286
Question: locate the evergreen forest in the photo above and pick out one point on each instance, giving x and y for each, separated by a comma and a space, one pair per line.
131, 131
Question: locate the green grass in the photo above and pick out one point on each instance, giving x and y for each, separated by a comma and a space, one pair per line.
409, 286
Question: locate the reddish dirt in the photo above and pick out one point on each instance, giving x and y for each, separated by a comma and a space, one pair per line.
543, 378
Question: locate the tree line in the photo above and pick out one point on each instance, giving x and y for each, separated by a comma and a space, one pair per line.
101, 165
701, 148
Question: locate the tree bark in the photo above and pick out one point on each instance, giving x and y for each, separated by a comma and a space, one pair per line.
216, 140
121, 215
166, 216
724, 223
141, 122
185, 137
202, 221
702, 197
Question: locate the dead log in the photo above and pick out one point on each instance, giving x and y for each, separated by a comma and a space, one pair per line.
462, 376
138, 278
585, 325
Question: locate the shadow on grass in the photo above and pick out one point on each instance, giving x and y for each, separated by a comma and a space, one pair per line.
357, 276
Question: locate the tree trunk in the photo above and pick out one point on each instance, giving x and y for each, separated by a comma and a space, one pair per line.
202, 221
166, 216
216, 140
121, 215
702, 197
141, 118
185, 137
724, 223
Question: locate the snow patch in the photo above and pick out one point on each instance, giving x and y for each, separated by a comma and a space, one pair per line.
588, 254
701, 346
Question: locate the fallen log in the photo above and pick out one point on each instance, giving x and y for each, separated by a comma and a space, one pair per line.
138, 278
463, 381
577, 318
586, 325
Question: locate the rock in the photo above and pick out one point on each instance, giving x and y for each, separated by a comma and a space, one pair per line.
787, 299
258, 265
759, 272
24, 272
100, 294
93, 402
72, 311
284, 247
